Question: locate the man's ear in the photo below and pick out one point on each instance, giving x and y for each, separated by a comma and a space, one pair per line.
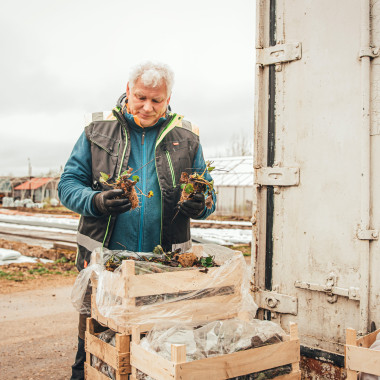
128, 91
167, 102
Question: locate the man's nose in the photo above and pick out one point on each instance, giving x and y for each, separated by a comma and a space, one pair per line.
148, 106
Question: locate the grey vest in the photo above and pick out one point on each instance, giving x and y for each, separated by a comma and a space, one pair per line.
110, 151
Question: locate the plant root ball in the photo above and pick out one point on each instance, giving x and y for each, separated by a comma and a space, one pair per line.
128, 186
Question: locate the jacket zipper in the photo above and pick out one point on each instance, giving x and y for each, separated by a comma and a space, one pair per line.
155, 165
171, 167
144, 191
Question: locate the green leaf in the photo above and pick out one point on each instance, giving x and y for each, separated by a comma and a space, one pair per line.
189, 188
211, 168
136, 178
183, 185
103, 177
125, 172
158, 250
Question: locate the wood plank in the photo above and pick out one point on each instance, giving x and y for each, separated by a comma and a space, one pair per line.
107, 353
363, 360
151, 364
350, 340
367, 340
90, 373
241, 363
290, 376
177, 281
178, 353
122, 342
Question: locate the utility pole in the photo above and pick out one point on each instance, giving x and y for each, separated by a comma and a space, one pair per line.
30, 177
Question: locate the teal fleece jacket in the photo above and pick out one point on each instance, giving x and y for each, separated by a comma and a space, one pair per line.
137, 230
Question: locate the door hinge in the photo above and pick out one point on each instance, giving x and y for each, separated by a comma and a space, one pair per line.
277, 176
368, 234
330, 288
371, 52
279, 54
276, 302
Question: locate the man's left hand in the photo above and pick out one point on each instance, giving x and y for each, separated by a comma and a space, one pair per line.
193, 207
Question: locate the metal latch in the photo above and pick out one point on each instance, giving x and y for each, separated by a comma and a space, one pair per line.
371, 52
277, 176
368, 235
276, 302
330, 289
279, 53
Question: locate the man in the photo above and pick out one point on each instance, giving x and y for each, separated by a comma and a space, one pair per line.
159, 146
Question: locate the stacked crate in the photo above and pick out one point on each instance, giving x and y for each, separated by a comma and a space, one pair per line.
136, 287
217, 367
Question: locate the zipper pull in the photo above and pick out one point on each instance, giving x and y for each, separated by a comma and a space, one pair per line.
143, 138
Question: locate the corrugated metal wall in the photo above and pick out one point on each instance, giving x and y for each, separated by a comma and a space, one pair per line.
234, 200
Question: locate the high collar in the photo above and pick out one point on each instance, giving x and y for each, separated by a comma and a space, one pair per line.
132, 123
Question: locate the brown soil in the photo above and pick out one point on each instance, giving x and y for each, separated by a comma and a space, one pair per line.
28, 276
38, 324
53, 211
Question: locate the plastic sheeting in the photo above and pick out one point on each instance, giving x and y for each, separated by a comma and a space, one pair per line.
213, 338
145, 292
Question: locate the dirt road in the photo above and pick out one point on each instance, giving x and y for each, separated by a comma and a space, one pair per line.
38, 334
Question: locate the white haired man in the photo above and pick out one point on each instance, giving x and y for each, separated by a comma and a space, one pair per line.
159, 145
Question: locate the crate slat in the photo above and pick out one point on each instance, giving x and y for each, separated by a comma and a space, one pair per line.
91, 373
218, 367
117, 357
363, 360
359, 357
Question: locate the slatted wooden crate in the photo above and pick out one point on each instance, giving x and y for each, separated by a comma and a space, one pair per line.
220, 302
218, 367
117, 357
359, 357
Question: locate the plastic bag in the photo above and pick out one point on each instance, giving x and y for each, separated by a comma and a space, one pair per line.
213, 338
146, 292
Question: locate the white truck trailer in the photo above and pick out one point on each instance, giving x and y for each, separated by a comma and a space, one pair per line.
316, 214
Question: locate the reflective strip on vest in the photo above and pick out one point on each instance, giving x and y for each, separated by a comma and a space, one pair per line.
87, 242
186, 246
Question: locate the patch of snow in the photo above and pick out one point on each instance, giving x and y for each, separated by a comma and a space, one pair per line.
9, 256
223, 237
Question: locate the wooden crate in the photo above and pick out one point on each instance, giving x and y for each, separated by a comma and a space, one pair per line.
117, 357
210, 306
218, 367
359, 357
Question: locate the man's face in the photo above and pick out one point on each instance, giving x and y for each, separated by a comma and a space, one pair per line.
147, 103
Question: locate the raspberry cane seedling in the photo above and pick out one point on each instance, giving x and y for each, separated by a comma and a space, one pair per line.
196, 183
127, 184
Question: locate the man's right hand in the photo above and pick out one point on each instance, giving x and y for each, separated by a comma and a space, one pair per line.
107, 204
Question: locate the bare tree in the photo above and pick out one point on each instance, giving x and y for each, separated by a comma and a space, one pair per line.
241, 145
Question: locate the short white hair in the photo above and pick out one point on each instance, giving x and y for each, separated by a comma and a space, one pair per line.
151, 74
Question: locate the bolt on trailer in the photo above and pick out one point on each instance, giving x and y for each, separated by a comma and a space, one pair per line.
316, 222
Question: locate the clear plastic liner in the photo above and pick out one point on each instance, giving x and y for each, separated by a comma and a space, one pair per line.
146, 292
107, 336
213, 338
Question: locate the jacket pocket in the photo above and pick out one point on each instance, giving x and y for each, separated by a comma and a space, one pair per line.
104, 151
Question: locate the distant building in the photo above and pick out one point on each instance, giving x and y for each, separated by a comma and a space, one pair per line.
233, 181
37, 189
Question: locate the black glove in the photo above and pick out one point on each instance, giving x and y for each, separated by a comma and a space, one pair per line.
194, 206
106, 204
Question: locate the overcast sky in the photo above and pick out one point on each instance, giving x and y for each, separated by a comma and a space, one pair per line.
61, 59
